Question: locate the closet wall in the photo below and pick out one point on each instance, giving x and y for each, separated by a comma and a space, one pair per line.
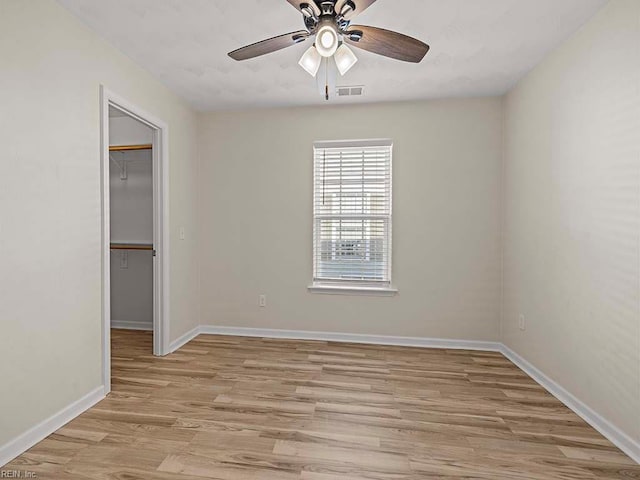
131, 223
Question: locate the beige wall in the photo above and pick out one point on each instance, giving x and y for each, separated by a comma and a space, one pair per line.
572, 167
50, 239
256, 219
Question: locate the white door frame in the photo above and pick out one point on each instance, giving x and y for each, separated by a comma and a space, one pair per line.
160, 228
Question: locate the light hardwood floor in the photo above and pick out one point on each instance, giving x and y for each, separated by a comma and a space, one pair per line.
261, 409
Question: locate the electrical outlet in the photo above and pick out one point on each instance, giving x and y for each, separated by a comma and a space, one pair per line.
262, 300
182, 233
522, 324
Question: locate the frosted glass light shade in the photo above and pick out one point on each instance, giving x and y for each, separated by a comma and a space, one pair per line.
311, 61
345, 59
327, 40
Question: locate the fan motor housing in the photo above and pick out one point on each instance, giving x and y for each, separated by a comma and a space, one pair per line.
327, 8
328, 13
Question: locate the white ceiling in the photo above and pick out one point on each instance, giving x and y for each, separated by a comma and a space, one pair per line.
478, 47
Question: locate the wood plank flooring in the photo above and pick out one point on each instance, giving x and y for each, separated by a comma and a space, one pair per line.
261, 409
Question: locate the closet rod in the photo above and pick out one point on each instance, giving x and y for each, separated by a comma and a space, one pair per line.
126, 148
131, 246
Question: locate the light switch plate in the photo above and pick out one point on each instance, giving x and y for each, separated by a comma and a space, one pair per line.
124, 259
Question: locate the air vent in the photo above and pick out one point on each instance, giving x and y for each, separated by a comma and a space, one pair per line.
354, 91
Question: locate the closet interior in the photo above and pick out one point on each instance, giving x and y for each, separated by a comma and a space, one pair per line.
131, 211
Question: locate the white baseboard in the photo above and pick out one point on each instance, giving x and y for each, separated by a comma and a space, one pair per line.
352, 338
186, 338
616, 436
28, 439
125, 325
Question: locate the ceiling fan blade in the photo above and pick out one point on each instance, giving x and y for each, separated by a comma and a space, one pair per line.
360, 6
269, 45
387, 43
299, 4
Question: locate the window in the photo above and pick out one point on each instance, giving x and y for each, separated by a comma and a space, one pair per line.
352, 214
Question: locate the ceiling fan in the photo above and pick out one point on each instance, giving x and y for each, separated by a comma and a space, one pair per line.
329, 21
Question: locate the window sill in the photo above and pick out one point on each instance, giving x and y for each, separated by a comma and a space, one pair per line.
353, 290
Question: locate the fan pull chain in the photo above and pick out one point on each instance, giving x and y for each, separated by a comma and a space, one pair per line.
326, 80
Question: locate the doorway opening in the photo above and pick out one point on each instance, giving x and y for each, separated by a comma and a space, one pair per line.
134, 228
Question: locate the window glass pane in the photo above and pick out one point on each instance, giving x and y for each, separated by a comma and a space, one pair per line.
352, 249
352, 213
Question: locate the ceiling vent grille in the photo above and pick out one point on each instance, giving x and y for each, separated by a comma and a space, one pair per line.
354, 91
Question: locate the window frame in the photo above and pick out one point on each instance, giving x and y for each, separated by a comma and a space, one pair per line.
359, 287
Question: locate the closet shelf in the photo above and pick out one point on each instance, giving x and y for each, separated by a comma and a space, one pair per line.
127, 148
131, 246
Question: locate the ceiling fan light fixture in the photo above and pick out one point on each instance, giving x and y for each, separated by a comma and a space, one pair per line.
345, 59
311, 61
327, 40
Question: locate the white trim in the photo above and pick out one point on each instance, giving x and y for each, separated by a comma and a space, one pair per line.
351, 338
620, 439
126, 325
186, 338
353, 290
28, 439
106, 238
375, 142
160, 229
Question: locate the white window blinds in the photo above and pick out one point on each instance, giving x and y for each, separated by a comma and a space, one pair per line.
352, 212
